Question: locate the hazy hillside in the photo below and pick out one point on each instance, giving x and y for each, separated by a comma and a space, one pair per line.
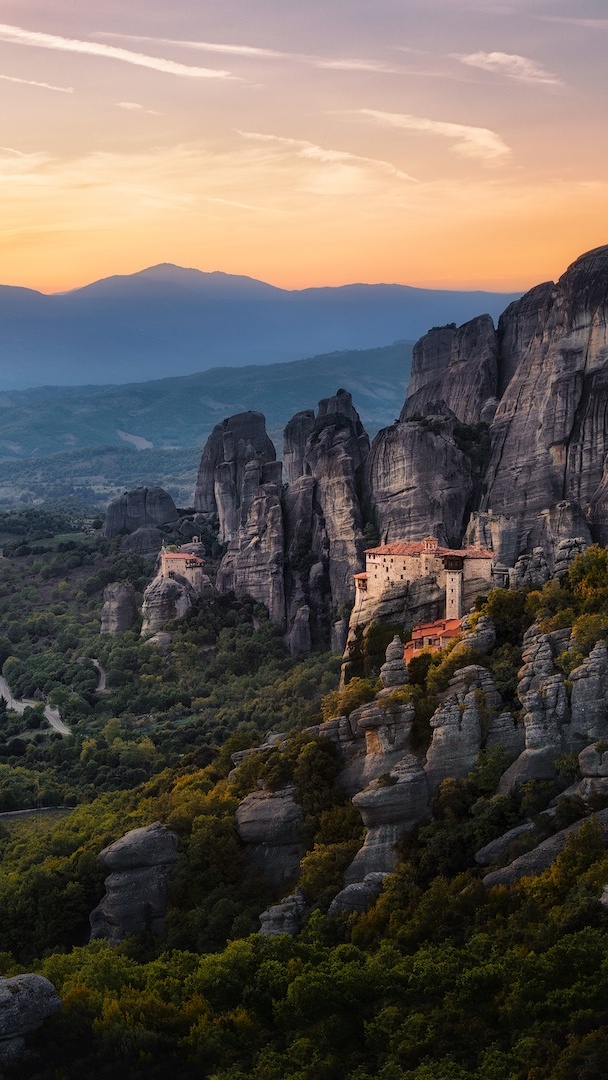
181, 412
167, 320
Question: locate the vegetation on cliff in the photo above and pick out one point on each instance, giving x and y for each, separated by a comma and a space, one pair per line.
440, 980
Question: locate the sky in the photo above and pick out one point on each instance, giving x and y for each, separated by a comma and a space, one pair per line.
437, 143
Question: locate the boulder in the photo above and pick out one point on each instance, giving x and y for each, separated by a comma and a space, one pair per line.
481, 637
357, 897
145, 542
140, 507
137, 887
284, 917
119, 611
269, 825
25, 1003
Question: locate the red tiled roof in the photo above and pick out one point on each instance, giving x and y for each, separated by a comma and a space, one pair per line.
416, 547
181, 555
439, 627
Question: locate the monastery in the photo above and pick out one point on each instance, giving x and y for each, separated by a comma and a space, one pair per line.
463, 573
184, 563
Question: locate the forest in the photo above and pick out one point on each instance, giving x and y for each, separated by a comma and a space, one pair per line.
441, 979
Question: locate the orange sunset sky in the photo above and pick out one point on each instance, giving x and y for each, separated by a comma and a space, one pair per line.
438, 143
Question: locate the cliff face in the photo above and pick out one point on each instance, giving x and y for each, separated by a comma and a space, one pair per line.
139, 508
232, 445
459, 367
549, 434
419, 480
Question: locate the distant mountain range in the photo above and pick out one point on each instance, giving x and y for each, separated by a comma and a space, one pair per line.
181, 412
168, 320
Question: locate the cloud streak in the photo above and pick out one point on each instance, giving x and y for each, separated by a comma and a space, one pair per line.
311, 152
16, 35
474, 142
43, 85
253, 52
511, 65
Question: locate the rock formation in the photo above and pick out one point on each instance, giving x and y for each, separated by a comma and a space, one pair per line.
459, 367
136, 509
284, 917
470, 718
295, 438
357, 897
25, 1003
165, 599
119, 611
418, 480
221, 484
137, 887
543, 856
254, 562
269, 824
390, 807
145, 542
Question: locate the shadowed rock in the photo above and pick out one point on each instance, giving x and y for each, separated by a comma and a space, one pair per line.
137, 888
357, 897
119, 611
284, 917
138, 508
232, 445
269, 824
25, 1003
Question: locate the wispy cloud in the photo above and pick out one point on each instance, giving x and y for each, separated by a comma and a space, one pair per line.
253, 52
511, 65
43, 85
474, 142
311, 152
573, 20
134, 106
15, 35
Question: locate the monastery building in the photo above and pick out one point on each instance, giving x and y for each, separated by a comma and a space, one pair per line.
464, 573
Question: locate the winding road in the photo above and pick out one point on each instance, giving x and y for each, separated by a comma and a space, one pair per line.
50, 714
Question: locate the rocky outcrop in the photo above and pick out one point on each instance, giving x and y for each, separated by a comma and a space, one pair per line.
390, 807
145, 542
136, 509
481, 636
137, 887
165, 599
589, 699
25, 1003
295, 437
547, 720
494, 852
418, 480
222, 486
323, 522
530, 569
284, 917
357, 897
470, 718
549, 437
543, 856
458, 366
269, 825
254, 562
119, 611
